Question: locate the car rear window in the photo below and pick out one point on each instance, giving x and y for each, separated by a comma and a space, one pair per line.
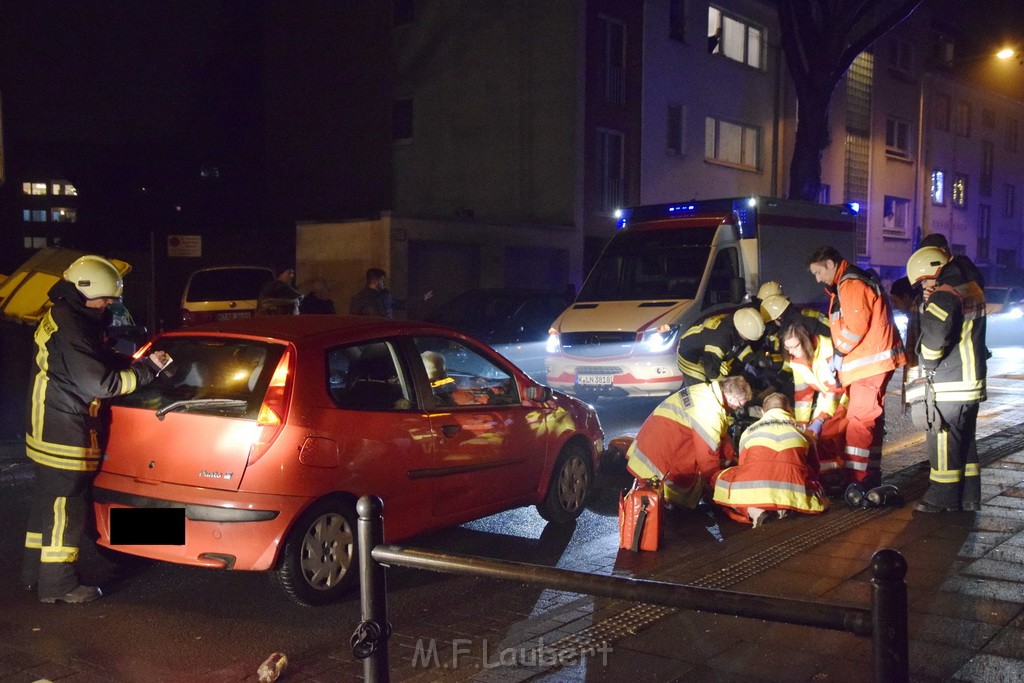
210, 375
227, 284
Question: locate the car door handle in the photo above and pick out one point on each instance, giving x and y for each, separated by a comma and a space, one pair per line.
450, 430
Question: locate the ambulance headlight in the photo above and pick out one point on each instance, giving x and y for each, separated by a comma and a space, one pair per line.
553, 345
660, 339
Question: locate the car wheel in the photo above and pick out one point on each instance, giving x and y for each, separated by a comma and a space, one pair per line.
319, 561
568, 488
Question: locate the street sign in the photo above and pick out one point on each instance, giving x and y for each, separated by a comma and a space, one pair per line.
190, 246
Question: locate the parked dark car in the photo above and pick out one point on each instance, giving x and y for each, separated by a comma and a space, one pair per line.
503, 316
515, 322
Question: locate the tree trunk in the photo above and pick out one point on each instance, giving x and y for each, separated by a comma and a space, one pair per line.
812, 138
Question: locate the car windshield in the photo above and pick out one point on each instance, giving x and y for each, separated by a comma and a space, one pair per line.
226, 284
209, 375
650, 264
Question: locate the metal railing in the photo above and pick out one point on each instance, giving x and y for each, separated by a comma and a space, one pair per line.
885, 622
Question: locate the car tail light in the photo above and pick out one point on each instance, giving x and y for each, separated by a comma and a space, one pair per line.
274, 411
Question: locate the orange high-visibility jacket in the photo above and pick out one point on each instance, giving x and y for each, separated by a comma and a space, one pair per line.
815, 394
863, 330
776, 471
685, 439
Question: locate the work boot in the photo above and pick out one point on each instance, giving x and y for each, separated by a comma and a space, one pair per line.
76, 595
925, 506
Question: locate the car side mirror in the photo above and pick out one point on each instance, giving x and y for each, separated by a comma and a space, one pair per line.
539, 393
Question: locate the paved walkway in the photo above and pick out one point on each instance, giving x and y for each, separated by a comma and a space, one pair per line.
965, 585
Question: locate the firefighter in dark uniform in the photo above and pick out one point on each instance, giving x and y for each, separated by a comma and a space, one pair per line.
709, 350
951, 350
73, 370
778, 314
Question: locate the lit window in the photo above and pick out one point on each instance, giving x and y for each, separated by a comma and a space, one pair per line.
897, 138
34, 242
734, 38
732, 143
70, 190
959, 191
33, 215
896, 216
33, 188
938, 187
63, 214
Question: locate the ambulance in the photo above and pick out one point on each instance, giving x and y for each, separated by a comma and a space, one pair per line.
670, 265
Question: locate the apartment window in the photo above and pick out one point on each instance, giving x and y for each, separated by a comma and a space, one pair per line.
900, 56
35, 242
938, 187
988, 118
611, 147
63, 214
824, 193
613, 35
897, 138
896, 216
943, 106
984, 230
1010, 200
963, 119
1012, 134
401, 120
403, 12
735, 38
988, 151
33, 188
675, 126
959, 191
677, 20
33, 215
732, 143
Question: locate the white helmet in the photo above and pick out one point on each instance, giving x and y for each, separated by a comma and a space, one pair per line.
773, 306
748, 323
770, 288
925, 263
95, 277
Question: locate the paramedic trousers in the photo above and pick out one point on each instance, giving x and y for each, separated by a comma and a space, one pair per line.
954, 479
56, 523
865, 413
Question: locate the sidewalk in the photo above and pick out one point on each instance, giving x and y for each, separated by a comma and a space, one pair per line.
965, 594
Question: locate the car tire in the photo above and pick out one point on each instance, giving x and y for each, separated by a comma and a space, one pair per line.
319, 563
569, 487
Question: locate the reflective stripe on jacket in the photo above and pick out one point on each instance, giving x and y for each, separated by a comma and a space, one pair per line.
776, 469
863, 330
73, 369
815, 394
683, 440
708, 349
952, 342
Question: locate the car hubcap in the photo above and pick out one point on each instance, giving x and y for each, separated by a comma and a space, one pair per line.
573, 483
327, 551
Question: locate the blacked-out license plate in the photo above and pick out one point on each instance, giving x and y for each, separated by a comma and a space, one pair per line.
147, 526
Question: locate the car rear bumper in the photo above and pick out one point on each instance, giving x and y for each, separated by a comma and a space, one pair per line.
223, 530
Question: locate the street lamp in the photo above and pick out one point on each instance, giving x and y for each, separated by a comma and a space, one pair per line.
1009, 53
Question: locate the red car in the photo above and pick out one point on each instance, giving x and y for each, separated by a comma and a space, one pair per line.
251, 448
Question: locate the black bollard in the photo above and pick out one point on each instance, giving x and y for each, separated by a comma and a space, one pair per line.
889, 616
373, 590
